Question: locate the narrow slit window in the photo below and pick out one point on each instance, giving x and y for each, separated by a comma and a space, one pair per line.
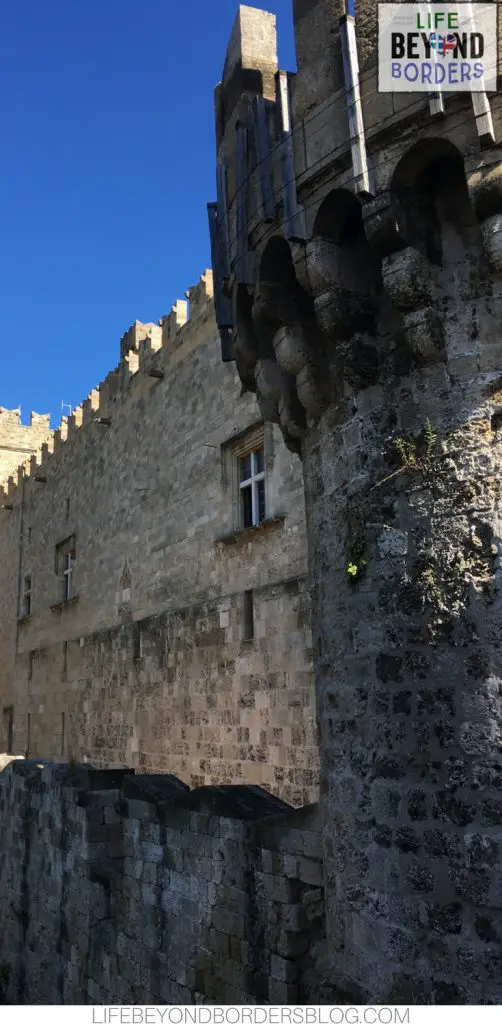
26, 606
248, 624
136, 640
8, 729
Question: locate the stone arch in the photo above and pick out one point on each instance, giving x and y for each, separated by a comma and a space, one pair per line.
343, 272
279, 297
431, 199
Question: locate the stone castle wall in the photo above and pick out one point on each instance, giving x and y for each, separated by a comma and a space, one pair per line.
124, 889
149, 663
359, 235
19, 442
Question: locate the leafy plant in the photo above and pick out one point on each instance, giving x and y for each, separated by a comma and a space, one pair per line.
357, 565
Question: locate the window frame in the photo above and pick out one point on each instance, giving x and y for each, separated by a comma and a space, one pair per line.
255, 438
65, 561
251, 483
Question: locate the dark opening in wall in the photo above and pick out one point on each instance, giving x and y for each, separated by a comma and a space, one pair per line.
8, 729
63, 738
496, 420
248, 618
136, 641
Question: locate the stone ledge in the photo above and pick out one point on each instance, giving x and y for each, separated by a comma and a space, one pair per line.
63, 604
238, 536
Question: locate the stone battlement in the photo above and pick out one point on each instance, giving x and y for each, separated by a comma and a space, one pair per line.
144, 349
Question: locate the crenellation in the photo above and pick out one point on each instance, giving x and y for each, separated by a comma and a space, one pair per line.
75, 421
90, 407
19, 442
173, 322
200, 295
108, 389
60, 435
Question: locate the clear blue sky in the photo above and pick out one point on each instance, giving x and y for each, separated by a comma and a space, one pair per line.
106, 125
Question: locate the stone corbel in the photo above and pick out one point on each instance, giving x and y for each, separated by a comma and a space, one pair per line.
298, 354
484, 182
407, 280
337, 310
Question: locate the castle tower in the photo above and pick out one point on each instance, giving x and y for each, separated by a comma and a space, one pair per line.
357, 257
18, 442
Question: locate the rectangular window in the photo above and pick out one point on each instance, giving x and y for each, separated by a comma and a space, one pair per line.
8, 729
252, 488
248, 617
26, 604
65, 659
67, 508
65, 568
28, 535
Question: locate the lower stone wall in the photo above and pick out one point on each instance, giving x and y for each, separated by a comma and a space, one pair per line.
181, 692
132, 889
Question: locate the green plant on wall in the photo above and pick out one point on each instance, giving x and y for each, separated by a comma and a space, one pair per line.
357, 564
416, 456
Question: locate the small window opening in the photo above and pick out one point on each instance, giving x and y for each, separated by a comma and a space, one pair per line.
26, 609
8, 729
248, 624
136, 642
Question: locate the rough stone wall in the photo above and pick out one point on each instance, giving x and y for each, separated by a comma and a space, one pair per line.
123, 889
18, 442
182, 692
148, 664
370, 331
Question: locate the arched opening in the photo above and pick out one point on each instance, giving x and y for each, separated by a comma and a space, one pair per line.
432, 202
343, 272
279, 297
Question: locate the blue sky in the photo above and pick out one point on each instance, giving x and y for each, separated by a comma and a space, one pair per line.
106, 124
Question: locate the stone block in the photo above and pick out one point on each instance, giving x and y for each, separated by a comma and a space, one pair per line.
282, 969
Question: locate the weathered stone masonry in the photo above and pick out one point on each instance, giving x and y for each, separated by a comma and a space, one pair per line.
358, 288
149, 663
19, 442
153, 894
